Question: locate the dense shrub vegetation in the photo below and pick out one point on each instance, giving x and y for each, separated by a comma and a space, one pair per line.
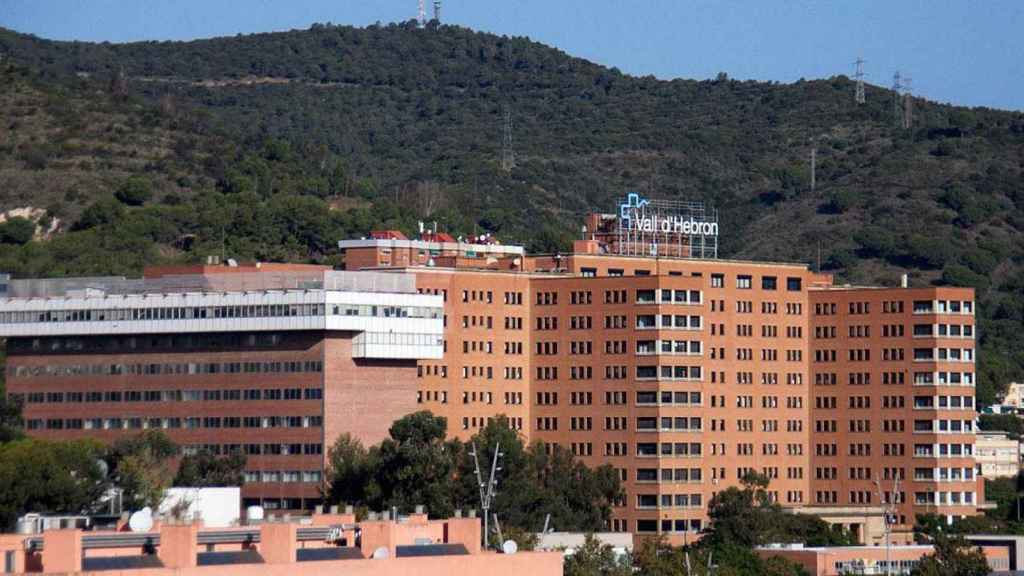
273, 146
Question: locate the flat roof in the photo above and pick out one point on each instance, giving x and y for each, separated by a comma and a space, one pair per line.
798, 548
236, 283
508, 249
677, 259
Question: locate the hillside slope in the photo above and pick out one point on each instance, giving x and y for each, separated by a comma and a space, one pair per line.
411, 120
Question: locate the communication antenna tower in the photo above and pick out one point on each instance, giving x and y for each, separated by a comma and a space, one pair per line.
859, 75
487, 488
908, 104
897, 89
421, 15
814, 163
508, 157
437, 10
890, 516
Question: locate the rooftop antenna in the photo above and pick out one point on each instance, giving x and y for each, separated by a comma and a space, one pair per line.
437, 11
421, 15
508, 157
859, 75
890, 516
487, 488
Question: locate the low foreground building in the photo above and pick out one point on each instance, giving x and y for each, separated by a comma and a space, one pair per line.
1003, 553
321, 544
833, 561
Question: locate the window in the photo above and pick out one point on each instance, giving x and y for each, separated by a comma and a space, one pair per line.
743, 282
793, 284
768, 283
718, 280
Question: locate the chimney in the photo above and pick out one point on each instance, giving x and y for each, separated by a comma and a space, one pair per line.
904, 281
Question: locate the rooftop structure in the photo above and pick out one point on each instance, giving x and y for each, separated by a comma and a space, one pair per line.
844, 560
321, 544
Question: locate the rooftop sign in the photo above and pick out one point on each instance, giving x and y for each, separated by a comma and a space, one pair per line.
666, 228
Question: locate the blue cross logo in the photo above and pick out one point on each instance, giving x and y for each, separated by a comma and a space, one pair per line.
633, 202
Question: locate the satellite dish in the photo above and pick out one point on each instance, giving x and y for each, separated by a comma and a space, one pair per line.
141, 521
509, 547
380, 553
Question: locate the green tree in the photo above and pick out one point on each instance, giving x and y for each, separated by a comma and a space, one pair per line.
747, 517
10, 409
1009, 423
416, 466
10, 419
17, 230
135, 191
206, 469
596, 559
349, 471
49, 477
534, 483
141, 466
953, 556
104, 211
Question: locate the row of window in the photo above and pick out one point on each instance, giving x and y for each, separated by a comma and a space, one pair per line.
746, 282
944, 474
189, 423
693, 525
943, 402
669, 347
669, 297
168, 369
157, 342
669, 475
667, 501
217, 312
686, 373
668, 398
310, 449
955, 498
208, 395
666, 322
282, 476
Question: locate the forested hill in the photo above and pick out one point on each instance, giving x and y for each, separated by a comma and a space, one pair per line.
273, 145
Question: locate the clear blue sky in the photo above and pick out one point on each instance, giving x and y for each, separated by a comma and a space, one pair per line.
965, 52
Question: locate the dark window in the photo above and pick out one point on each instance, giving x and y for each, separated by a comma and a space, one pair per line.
793, 284
769, 283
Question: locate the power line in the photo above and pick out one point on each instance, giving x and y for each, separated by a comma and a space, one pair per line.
814, 163
908, 104
859, 75
897, 89
508, 157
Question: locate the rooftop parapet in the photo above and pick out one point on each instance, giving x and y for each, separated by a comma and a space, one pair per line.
218, 283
